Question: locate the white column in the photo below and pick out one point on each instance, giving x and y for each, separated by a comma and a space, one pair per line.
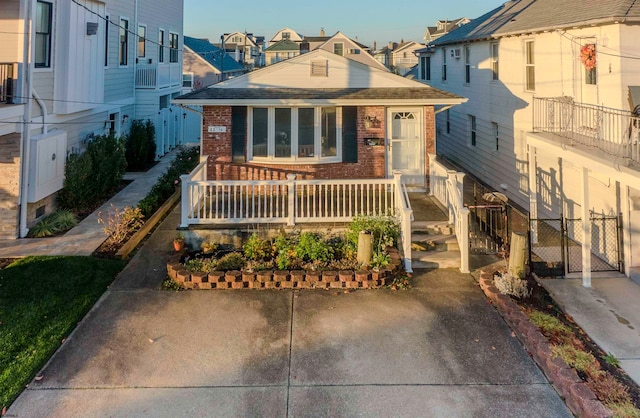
533, 192
586, 230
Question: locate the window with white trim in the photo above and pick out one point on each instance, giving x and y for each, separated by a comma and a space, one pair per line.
472, 130
495, 63
425, 68
529, 66
124, 42
295, 134
173, 45
161, 45
142, 35
338, 48
444, 64
43, 23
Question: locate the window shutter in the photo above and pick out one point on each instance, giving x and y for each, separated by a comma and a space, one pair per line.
238, 133
350, 134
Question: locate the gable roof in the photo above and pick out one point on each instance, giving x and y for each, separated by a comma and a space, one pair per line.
365, 57
523, 16
284, 45
408, 45
247, 36
348, 83
212, 54
294, 35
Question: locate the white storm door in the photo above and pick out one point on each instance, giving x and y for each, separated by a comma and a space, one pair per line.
405, 146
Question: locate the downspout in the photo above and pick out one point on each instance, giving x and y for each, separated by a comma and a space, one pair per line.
26, 119
43, 109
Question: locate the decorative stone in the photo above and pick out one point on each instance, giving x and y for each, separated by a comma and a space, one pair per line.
346, 275
216, 276
264, 276
329, 276
233, 276
362, 275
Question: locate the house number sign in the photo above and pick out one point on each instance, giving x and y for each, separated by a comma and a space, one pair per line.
217, 129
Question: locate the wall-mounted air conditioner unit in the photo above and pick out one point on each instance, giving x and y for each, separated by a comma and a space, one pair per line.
456, 53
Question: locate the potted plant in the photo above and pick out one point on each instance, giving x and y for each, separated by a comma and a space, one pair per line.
178, 242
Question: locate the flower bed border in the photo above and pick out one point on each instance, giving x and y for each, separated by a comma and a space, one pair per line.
284, 279
578, 397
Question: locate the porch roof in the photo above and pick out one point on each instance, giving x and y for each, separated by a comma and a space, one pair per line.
347, 96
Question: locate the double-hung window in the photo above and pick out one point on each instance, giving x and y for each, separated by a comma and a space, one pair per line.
472, 130
142, 35
302, 134
529, 66
124, 41
495, 67
161, 45
444, 64
425, 68
467, 64
173, 45
44, 15
338, 48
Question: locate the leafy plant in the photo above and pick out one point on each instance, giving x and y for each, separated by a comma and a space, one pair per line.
168, 284
609, 358
550, 325
509, 284
208, 246
578, 359
140, 145
310, 247
385, 231
52, 224
256, 248
380, 259
231, 261
92, 175
120, 224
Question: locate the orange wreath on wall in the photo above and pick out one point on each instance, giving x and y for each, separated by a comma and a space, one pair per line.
588, 56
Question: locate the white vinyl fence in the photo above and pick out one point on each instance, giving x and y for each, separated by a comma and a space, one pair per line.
291, 201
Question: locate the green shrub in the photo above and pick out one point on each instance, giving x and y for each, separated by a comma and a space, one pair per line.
92, 175
578, 359
231, 261
256, 248
184, 163
55, 223
140, 146
311, 247
385, 231
550, 325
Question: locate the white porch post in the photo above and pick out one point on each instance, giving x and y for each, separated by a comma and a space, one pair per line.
586, 230
432, 175
185, 201
533, 192
291, 199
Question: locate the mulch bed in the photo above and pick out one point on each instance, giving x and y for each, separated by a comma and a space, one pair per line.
542, 301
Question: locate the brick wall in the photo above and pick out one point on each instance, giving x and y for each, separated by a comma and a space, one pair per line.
371, 158
429, 137
9, 185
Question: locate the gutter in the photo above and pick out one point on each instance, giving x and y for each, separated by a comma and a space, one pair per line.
26, 126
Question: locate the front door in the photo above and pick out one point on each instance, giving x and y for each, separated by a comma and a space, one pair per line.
405, 146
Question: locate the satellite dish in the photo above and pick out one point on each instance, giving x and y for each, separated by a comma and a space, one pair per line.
495, 197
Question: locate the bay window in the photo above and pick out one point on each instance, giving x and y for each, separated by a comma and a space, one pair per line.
295, 134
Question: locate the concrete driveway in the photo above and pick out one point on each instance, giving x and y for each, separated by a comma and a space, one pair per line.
437, 350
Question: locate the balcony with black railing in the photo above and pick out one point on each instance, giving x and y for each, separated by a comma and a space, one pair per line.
611, 131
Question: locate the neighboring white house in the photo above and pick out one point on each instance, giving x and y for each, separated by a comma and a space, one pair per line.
551, 88
342, 45
286, 34
250, 48
83, 69
443, 27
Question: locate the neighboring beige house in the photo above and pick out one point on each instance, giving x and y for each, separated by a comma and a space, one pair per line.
280, 51
341, 45
95, 66
403, 57
551, 119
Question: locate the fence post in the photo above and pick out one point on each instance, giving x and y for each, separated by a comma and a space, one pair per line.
185, 200
464, 240
451, 183
432, 172
291, 199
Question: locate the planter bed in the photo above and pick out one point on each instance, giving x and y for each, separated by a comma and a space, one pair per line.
285, 279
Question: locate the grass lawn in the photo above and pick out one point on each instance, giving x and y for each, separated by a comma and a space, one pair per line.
41, 301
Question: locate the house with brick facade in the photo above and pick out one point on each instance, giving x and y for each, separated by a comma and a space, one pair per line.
322, 116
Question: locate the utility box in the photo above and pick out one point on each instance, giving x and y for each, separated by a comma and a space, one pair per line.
46, 164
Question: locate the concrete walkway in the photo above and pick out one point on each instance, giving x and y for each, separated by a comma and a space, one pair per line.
87, 236
437, 350
608, 312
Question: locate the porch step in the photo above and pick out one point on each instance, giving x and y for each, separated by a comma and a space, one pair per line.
432, 227
440, 242
435, 259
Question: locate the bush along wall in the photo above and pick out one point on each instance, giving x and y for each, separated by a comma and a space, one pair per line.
93, 175
140, 145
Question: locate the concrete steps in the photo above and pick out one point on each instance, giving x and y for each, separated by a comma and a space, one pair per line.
434, 245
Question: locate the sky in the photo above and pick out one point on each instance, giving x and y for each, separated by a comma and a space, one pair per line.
368, 20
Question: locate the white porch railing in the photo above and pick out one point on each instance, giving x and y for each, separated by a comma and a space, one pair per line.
152, 76
447, 187
291, 201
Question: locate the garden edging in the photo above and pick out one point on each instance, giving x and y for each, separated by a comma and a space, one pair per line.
284, 279
578, 396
